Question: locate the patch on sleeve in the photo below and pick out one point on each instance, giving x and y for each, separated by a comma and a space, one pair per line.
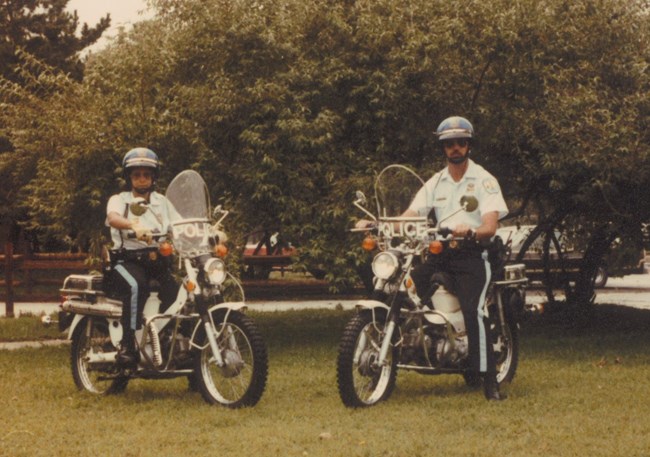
491, 185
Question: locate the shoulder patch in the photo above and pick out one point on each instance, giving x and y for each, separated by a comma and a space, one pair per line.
491, 185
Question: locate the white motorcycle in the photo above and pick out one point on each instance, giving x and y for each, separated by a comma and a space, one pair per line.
394, 329
200, 335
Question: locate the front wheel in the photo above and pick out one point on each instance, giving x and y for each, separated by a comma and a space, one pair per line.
91, 370
361, 380
505, 341
241, 380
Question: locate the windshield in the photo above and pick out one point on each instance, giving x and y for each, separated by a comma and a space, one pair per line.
190, 213
395, 189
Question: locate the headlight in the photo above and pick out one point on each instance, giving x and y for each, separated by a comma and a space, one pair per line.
385, 265
215, 271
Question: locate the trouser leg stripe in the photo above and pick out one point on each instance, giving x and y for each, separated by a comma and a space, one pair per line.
481, 322
134, 293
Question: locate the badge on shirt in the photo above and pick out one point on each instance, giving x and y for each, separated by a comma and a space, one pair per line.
470, 187
491, 186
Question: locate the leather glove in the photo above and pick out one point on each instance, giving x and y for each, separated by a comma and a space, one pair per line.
142, 233
218, 233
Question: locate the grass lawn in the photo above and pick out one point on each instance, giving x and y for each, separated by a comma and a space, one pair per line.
576, 393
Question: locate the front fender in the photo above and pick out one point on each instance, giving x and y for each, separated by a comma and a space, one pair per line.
371, 304
228, 306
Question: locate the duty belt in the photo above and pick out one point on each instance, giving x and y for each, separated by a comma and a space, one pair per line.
464, 249
135, 255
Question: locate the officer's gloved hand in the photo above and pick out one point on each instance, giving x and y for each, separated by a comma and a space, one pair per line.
142, 233
216, 232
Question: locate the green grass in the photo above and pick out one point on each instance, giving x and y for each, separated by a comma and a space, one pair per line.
27, 327
576, 393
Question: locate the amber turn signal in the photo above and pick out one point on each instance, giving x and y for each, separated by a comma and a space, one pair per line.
189, 286
221, 250
435, 247
369, 243
166, 249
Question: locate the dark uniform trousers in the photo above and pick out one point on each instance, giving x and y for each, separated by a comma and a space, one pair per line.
470, 274
129, 282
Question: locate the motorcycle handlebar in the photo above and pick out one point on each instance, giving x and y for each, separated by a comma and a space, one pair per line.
444, 231
363, 229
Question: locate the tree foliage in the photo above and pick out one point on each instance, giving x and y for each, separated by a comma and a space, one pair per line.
46, 30
286, 107
39, 45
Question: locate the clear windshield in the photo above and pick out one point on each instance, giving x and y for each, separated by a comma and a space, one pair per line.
190, 213
398, 189
395, 189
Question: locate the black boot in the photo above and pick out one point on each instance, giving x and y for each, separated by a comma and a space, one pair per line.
127, 355
491, 388
472, 379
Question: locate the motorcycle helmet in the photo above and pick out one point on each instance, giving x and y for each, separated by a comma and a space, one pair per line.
455, 127
137, 158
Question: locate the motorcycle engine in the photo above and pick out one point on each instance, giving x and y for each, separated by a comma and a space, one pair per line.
416, 345
451, 353
181, 349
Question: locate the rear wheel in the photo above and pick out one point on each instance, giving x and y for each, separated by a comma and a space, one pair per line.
90, 342
361, 380
601, 278
241, 380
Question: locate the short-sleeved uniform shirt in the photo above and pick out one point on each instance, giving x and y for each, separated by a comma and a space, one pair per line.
443, 193
156, 218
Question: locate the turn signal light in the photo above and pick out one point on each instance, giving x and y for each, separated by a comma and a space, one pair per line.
221, 250
190, 286
369, 243
435, 247
166, 249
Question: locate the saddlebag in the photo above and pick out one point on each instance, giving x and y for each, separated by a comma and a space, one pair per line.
84, 294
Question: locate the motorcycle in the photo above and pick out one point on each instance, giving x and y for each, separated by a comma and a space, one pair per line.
200, 335
393, 329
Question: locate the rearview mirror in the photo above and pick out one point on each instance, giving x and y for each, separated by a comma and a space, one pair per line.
138, 207
469, 203
220, 214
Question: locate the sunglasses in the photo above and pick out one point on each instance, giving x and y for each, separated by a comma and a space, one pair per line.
141, 174
462, 142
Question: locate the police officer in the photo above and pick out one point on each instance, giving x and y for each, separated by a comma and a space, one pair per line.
141, 211
468, 268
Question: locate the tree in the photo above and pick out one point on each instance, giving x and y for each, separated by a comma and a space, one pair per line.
288, 107
44, 29
36, 37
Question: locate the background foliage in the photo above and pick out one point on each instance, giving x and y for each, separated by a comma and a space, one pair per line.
286, 107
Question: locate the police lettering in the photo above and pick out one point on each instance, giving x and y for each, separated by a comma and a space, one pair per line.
411, 229
190, 230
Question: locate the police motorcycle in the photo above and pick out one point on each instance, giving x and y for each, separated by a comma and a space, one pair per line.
200, 335
394, 330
